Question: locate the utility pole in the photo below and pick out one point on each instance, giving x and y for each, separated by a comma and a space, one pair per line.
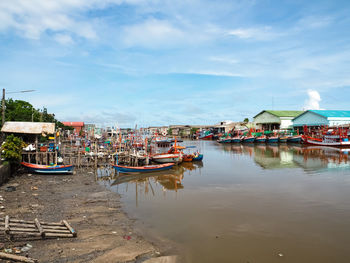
3, 115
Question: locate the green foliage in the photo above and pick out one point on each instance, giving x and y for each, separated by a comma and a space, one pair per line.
12, 149
246, 120
194, 130
170, 131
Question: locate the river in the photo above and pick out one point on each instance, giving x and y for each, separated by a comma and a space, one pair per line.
249, 203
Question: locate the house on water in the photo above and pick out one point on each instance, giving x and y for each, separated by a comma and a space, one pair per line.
275, 120
317, 118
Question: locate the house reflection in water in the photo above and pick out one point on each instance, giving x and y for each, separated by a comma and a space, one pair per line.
309, 158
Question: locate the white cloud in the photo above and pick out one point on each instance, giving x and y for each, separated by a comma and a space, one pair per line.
261, 33
152, 33
64, 39
313, 102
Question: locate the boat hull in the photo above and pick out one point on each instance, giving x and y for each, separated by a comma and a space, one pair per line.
260, 140
236, 140
294, 139
142, 169
248, 140
199, 157
272, 140
224, 141
322, 143
46, 169
167, 158
207, 137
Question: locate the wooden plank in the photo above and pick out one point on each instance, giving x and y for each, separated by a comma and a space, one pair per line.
31, 222
17, 258
70, 228
45, 227
36, 234
34, 230
38, 225
7, 225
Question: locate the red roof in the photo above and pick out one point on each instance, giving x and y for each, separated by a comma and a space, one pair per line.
73, 123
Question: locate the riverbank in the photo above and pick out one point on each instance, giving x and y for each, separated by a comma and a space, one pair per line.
105, 233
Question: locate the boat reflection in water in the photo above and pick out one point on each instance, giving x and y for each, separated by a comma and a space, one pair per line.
149, 183
310, 158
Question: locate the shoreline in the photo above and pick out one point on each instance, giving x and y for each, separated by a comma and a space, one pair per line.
105, 232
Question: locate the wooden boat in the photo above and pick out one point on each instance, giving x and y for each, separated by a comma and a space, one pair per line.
197, 157
187, 157
327, 140
248, 139
142, 169
261, 139
224, 140
167, 158
206, 136
236, 139
272, 139
283, 139
294, 139
48, 169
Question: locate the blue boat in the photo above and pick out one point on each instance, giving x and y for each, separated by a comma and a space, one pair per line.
236, 139
294, 139
48, 169
142, 169
260, 139
248, 139
198, 157
273, 139
224, 140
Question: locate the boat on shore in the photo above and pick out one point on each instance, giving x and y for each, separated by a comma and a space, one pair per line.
142, 169
48, 169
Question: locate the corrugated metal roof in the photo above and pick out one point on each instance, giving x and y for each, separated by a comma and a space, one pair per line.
282, 113
28, 127
332, 113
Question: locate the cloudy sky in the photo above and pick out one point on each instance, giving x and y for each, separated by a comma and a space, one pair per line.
161, 62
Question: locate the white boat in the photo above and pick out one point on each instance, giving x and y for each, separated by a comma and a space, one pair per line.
167, 158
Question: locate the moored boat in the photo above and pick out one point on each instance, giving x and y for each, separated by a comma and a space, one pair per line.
142, 169
295, 139
236, 139
206, 137
224, 140
248, 139
167, 158
260, 139
327, 140
187, 157
272, 139
283, 139
197, 157
48, 169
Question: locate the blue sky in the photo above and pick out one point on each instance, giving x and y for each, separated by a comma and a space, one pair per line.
162, 62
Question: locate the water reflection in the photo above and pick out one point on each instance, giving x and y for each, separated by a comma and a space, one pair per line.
310, 158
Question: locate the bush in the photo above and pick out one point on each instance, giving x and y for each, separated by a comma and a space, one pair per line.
12, 149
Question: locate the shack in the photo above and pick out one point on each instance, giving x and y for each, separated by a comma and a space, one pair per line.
317, 118
28, 131
275, 120
77, 126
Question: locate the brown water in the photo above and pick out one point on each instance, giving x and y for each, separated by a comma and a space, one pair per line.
249, 204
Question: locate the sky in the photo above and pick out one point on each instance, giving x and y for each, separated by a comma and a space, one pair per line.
162, 62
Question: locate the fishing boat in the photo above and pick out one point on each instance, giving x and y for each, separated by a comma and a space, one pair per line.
187, 157
295, 139
206, 136
327, 140
236, 139
197, 157
48, 169
224, 140
261, 139
167, 158
142, 169
283, 139
272, 139
248, 139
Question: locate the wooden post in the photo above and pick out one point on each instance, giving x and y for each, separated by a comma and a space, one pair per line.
70, 228
7, 224
36, 148
38, 225
96, 162
17, 258
78, 158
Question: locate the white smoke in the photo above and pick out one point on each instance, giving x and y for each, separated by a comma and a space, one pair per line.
313, 102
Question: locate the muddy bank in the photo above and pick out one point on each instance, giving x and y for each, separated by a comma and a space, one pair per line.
105, 233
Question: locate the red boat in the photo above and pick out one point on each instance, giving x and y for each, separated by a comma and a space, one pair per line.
337, 137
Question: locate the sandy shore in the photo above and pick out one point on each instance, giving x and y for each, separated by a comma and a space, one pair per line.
105, 233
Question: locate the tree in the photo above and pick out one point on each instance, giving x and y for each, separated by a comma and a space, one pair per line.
246, 120
12, 149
